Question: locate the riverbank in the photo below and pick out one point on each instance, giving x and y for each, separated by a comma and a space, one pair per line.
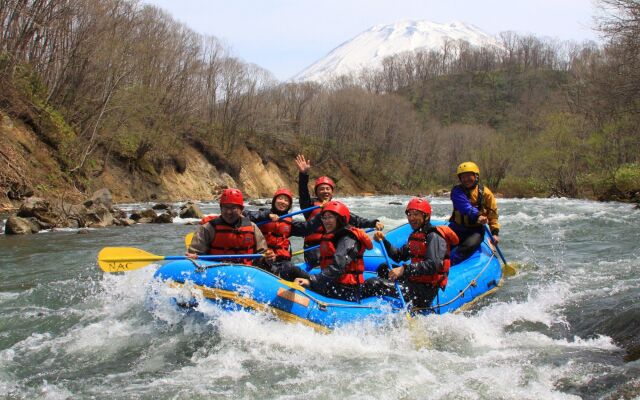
33, 168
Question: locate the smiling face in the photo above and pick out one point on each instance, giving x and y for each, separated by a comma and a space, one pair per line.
416, 218
329, 221
282, 203
324, 192
468, 179
230, 213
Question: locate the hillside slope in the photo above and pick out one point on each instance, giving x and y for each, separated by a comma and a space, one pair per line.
30, 167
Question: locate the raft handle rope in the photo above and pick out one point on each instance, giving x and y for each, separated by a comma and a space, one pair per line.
463, 291
322, 305
199, 267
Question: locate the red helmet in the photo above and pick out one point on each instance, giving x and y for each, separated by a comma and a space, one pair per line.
324, 180
338, 208
420, 205
283, 191
232, 196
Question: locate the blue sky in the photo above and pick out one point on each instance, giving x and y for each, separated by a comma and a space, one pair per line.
285, 36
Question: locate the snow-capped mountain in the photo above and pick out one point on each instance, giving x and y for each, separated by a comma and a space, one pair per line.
369, 48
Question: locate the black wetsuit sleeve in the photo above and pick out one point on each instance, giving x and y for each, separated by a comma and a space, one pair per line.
304, 228
434, 260
397, 254
346, 252
362, 223
304, 198
257, 216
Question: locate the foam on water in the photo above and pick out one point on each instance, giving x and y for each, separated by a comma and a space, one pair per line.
184, 221
8, 296
470, 354
120, 336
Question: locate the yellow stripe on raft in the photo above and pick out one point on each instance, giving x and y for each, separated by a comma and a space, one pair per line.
217, 294
468, 305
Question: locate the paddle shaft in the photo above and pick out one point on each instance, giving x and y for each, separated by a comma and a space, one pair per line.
216, 256
207, 257
189, 237
291, 214
295, 253
486, 228
398, 288
120, 259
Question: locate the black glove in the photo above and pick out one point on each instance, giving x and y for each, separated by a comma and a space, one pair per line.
383, 271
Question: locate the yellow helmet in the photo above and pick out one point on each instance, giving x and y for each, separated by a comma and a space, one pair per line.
468, 166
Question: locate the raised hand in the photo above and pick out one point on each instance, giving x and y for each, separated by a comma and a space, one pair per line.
303, 164
378, 235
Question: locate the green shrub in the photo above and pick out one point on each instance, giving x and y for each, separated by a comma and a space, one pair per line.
594, 184
45, 120
627, 178
515, 186
127, 145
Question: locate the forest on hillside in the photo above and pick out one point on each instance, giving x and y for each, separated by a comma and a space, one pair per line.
116, 81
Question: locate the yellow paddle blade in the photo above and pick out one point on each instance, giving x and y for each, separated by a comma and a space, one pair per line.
188, 239
119, 259
509, 270
418, 333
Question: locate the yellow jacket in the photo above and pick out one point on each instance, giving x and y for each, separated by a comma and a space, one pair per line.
465, 207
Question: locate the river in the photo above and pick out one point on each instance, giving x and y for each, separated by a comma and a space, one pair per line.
566, 327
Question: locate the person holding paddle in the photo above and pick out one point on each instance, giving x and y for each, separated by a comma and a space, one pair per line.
230, 233
323, 188
277, 228
341, 250
474, 205
428, 248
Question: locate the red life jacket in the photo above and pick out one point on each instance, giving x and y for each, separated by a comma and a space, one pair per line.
418, 249
354, 271
314, 238
208, 218
277, 236
232, 240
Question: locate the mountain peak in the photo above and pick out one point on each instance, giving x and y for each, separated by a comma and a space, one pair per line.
370, 47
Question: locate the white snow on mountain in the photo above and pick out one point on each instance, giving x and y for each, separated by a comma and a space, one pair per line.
369, 48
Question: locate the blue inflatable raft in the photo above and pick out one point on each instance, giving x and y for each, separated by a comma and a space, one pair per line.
235, 287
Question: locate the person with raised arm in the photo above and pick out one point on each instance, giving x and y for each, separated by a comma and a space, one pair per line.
323, 189
278, 230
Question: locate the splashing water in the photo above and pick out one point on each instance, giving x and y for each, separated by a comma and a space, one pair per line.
565, 327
